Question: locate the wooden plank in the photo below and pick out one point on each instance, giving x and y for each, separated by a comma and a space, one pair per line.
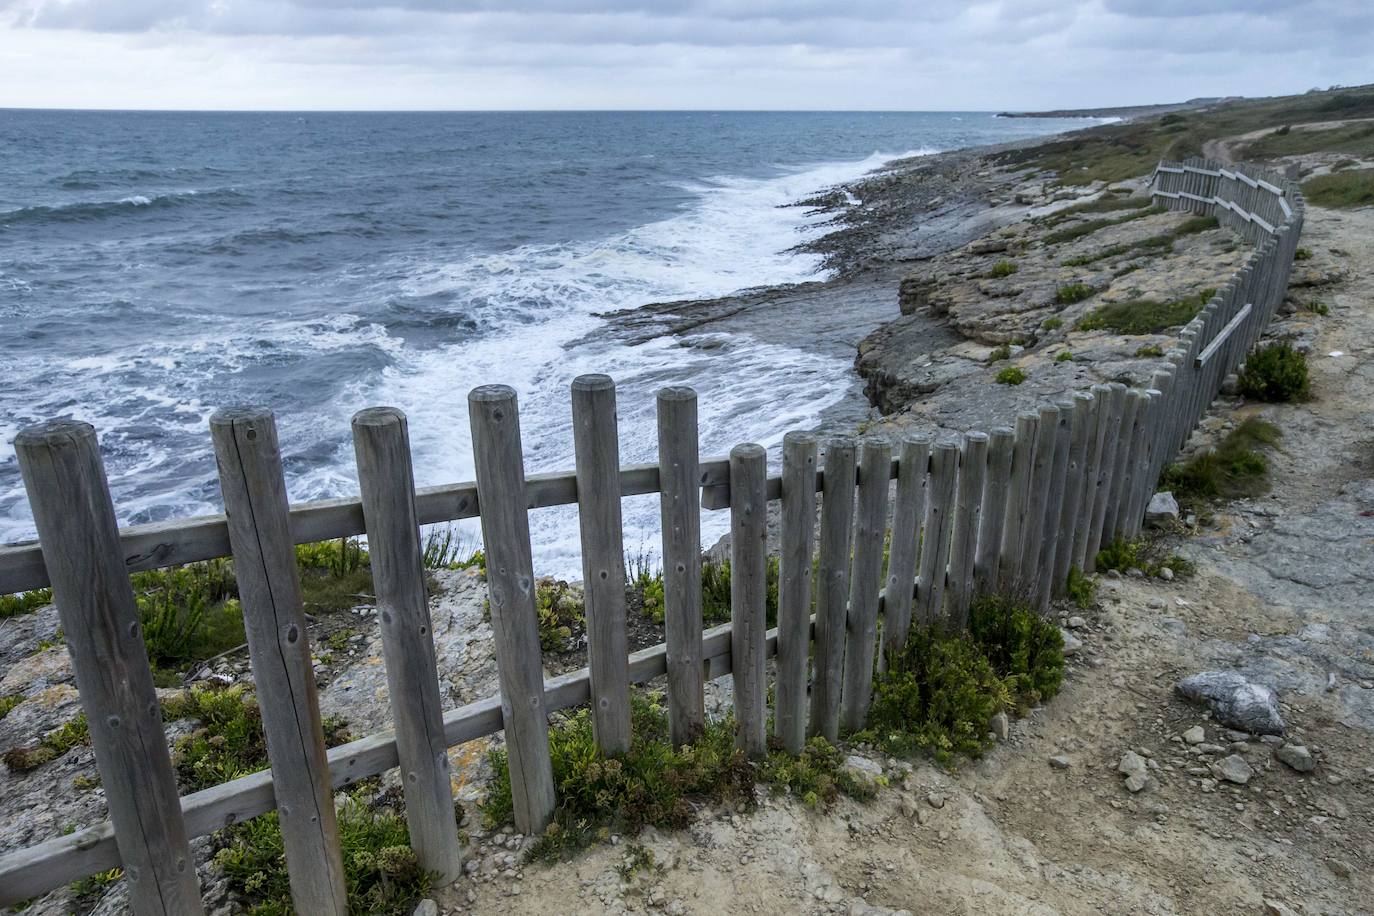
681, 523
34, 870
1045, 582
995, 486
968, 516
386, 479
1074, 483
254, 489
1211, 349
832, 586
1097, 431
1018, 503
794, 588
70, 497
1125, 458
908, 509
861, 631
1033, 530
944, 472
749, 595
1115, 406
596, 445
500, 468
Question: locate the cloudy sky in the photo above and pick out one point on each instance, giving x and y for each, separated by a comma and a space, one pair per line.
834, 54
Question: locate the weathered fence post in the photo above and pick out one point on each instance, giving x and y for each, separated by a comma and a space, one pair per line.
1115, 406
70, 499
749, 594
968, 514
596, 445
794, 588
679, 490
1075, 483
944, 471
1018, 502
1125, 455
861, 640
985, 573
907, 509
386, 479
832, 586
1054, 503
254, 490
1033, 529
500, 471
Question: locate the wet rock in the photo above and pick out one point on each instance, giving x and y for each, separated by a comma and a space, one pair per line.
1162, 510
1296, 756
1235, 700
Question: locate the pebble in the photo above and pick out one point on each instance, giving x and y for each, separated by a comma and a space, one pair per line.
1234, 769
935, 800
1296, 756
1077, 623
1166, 574
1072, 644
1195, 735
1060, 762
426, 907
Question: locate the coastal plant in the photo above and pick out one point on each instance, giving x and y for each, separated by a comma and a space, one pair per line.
336, 575
1053, 324
54, 744
999, 353
1341, 190
715, 591
1070, 293
8, 702
562, 614
1302, 253
1149, 351
1024, 649
24, 602
1234, 468
1010, 375
1317, 307
1081, 589
1146, 556
1275, 373
1002, 269
188, 612
381, 872
1144, 316
1064, 356
816, 776
1106, 204
1080, 230
445, 548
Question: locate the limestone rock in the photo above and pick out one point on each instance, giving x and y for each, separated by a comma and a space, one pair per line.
863, 770
1131, 764
1233, 769
1195, 735
1235, 700
426, 907
1072, 644
1296, 756
1162, 510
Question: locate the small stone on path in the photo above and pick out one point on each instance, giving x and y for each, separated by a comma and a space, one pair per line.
1296, 756
1195, 735
1233, 769
1060, 762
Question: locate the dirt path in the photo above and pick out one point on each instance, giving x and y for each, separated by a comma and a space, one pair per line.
1282, 592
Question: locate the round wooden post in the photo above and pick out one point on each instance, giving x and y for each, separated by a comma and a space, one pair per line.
386, 479
794, 588
749, 594
1033, 529
995, 487
1074, 484
72, 510
1111, 442
832, 586
968, 515
908, 509
597, 445
1092, 466
254, 490
501, 495
944, 472
861, 636
1045, 582
679, 491
1018, 502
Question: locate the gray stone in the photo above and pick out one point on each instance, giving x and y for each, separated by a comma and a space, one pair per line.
1060, 762
1235, 700
1137, 782
1000, 726
1233, 769
863, 770
1072, 644
1131, 764
1077, 623
1296, 756
1166, 574
426, 907
1162, 510
1195, 735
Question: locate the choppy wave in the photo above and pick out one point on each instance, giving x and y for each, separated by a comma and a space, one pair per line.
93, 210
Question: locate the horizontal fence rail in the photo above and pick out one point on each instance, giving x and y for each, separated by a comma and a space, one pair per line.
1011, 511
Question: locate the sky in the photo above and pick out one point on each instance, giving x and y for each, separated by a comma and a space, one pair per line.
672, 54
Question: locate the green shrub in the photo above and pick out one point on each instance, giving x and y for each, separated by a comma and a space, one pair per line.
8, 703
1235, 468
1149, 351
715, 591
1003, 269
1145, 556
936, 697
1000, 353
817, 776
1353, 188
1064, 356
1275, 373
24, 602
55, 743
1145, 316
445, 548
1011, 375
1080, 588
381, 872
1302, 254
1070, 293
1053, 324
1025, 649
653, 784
189, 612
335, 575
1317, 307
562, 614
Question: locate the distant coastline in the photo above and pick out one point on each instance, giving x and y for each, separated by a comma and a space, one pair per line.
1125, 112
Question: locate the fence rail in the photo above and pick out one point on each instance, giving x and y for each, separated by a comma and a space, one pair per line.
1012, 510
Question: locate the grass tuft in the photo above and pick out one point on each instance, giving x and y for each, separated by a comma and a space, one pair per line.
1341, 190
1070, 293
1010, 375
1235, 468
1275, 373
1144, 316
1002, 269
1082, 589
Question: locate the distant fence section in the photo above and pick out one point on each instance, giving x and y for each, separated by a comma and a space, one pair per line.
1010, 510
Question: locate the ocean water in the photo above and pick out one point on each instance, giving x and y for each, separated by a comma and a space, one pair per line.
156, 266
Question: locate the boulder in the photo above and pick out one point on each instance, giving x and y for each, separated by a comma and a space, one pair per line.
1162, 510
1235, 700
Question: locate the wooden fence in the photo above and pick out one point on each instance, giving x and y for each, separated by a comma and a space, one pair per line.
1009, 511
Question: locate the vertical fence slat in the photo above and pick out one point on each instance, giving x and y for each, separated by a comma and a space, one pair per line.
995, 495
1054, 503
832, 586
749, 594
1121, 470
1111, 440
907, 510
944, 471
386, 479
75, 518
679, 491
861, 630
1018, 502
254, 490
968, 515
596, 446
794, 588
1074, 482
1033, 529
500, 472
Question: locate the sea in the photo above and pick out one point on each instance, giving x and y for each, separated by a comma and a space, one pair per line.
155, 266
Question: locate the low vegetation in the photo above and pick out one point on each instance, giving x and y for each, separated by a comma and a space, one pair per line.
24, 602
1070, 293
1010, 375
1348, 138
1153, 243
1275, 373
1109, 203
1236, 467
1342, 190
1081, 589
55, 743
1053, 324
1003, 269
1080, 230
1145, 316
1147, 556
1000, 353
1149, 351
1064, 356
